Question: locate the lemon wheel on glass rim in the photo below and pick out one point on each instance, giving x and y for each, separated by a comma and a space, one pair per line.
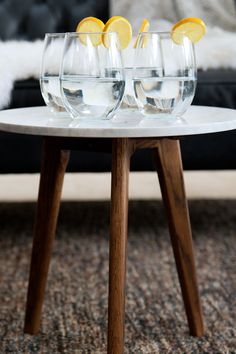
192, 27
90, 25
122, 27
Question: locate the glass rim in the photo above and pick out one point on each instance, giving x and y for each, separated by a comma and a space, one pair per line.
160, 32
90, 33
48, 34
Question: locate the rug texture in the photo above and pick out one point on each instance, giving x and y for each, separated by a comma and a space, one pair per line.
75, 310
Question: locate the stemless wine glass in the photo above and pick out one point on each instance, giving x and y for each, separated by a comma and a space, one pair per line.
91, 76
49, 76
164, 75
128, 103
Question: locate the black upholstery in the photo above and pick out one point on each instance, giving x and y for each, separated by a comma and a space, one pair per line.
214, 88
212, 151
30, 19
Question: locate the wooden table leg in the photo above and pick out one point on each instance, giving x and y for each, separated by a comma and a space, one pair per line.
121, 152
170, 172
54, 163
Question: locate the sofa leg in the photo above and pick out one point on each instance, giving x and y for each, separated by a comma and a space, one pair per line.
170, 172
54, 163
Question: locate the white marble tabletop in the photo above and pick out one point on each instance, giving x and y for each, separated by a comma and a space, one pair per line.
40, 121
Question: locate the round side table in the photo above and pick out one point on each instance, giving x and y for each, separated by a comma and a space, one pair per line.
128, 135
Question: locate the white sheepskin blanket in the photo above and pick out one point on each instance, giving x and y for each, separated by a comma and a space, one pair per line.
21, 60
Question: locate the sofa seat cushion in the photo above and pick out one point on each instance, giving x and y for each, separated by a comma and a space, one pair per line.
216, 88
26, 93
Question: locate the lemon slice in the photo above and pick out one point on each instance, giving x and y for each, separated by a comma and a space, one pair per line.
122, 27
91, 25
192, 27
144, 28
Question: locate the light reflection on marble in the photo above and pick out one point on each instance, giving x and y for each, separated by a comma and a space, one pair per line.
82, 123
40, 121
59, 121
132, 118
163, 120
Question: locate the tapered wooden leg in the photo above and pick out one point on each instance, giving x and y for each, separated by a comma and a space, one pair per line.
54, 162
170, 172
118, 240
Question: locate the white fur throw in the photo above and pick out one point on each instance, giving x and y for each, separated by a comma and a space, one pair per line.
21, 60
219, 13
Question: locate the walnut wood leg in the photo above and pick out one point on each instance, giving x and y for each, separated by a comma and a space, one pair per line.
54, 162
121, 152
170, 172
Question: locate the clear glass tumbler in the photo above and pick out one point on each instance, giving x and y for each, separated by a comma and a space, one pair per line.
50, 68
164, 75
92, 76
128, 102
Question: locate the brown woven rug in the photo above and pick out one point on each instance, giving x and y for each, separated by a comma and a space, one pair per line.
75, 312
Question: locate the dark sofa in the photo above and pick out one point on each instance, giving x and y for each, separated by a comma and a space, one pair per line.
30, 19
